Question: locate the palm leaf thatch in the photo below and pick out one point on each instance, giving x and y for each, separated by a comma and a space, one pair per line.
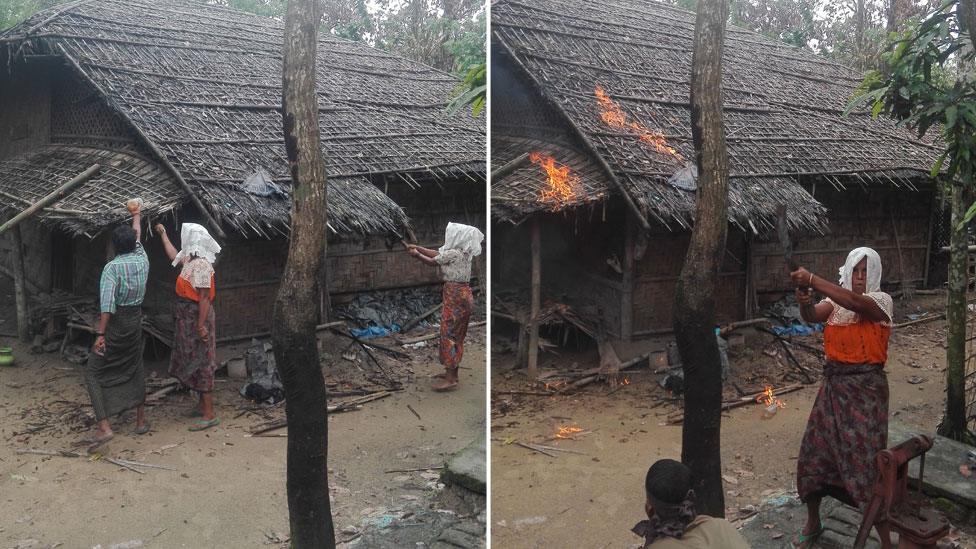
617, 72
201, 85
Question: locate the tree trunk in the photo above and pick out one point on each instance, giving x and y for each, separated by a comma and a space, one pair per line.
954, 422
898, 12
293, 329
859, 26
20, 286
694, 306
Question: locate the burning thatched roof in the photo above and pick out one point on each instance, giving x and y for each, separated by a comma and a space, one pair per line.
202, 85
618, 72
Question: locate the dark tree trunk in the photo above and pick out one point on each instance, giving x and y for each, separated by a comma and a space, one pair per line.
293, 330
859, 26
694, 305
954, 422
898, 12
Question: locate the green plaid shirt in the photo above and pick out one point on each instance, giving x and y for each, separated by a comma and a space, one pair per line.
123, 280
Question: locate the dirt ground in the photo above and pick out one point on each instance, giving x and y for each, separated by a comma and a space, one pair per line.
228, 489
593, 498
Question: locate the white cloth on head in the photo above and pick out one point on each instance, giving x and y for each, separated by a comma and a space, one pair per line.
841, 316
874, 269
464, 238
196, 241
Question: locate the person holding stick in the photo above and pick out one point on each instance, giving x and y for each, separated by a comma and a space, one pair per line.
114, 374
848, 425
194, 357
462, 243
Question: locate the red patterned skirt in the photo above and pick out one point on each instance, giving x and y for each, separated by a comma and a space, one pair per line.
458, 304
847, 428
192, 360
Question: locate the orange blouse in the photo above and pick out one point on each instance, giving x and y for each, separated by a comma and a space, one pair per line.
186, 290
865, 342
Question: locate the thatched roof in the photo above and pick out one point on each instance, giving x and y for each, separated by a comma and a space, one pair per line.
202, 84
355, 205
783, 106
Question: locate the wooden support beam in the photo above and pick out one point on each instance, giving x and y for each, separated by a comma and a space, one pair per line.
57, 194
510, 167
627, 295
20, 287
536, 299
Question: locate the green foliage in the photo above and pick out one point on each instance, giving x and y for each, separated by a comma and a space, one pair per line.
15, 11
471, 91
922, 87
266, 8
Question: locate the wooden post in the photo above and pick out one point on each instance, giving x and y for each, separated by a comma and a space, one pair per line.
750, 282
627, 295
20, 286
536, 299
57, 194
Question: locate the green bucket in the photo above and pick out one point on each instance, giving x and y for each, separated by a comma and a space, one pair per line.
6, 356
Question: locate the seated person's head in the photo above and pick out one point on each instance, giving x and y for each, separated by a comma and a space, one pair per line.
667, 486
124, 239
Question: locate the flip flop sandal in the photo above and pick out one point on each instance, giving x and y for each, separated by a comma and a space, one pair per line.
93, 444
146, 427
202, 424
446, 388
805, 540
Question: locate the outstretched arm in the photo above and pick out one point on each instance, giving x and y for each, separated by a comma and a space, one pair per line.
427, 252
167, 245
859, 303
423, 255
809, 311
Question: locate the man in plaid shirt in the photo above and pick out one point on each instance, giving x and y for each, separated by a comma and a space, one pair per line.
115, 376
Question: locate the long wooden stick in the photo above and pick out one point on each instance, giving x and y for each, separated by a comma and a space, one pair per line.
674, 420
54, 196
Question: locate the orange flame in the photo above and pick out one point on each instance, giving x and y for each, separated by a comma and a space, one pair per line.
568, 431
564, 186
626, 381
768, 399
615, 117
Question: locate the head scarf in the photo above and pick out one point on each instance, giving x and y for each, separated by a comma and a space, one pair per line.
196, 241
464, 238
669, 520
874, 269
843, 317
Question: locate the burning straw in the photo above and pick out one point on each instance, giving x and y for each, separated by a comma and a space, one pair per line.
564, 186
614, 116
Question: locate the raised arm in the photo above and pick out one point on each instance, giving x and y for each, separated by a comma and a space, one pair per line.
859, 303
424, 255
809, 311
167, 245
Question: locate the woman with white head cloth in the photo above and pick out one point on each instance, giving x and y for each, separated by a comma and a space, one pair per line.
848, 425
461, 244
193, 360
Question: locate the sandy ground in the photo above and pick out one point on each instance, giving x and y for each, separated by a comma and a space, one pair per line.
228, 490
594, 498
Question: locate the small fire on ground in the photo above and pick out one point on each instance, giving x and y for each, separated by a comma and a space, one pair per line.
614, 116
564, 186
770, 402
567, 431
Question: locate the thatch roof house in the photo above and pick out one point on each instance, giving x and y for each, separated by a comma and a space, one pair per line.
179, 102
603, 88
